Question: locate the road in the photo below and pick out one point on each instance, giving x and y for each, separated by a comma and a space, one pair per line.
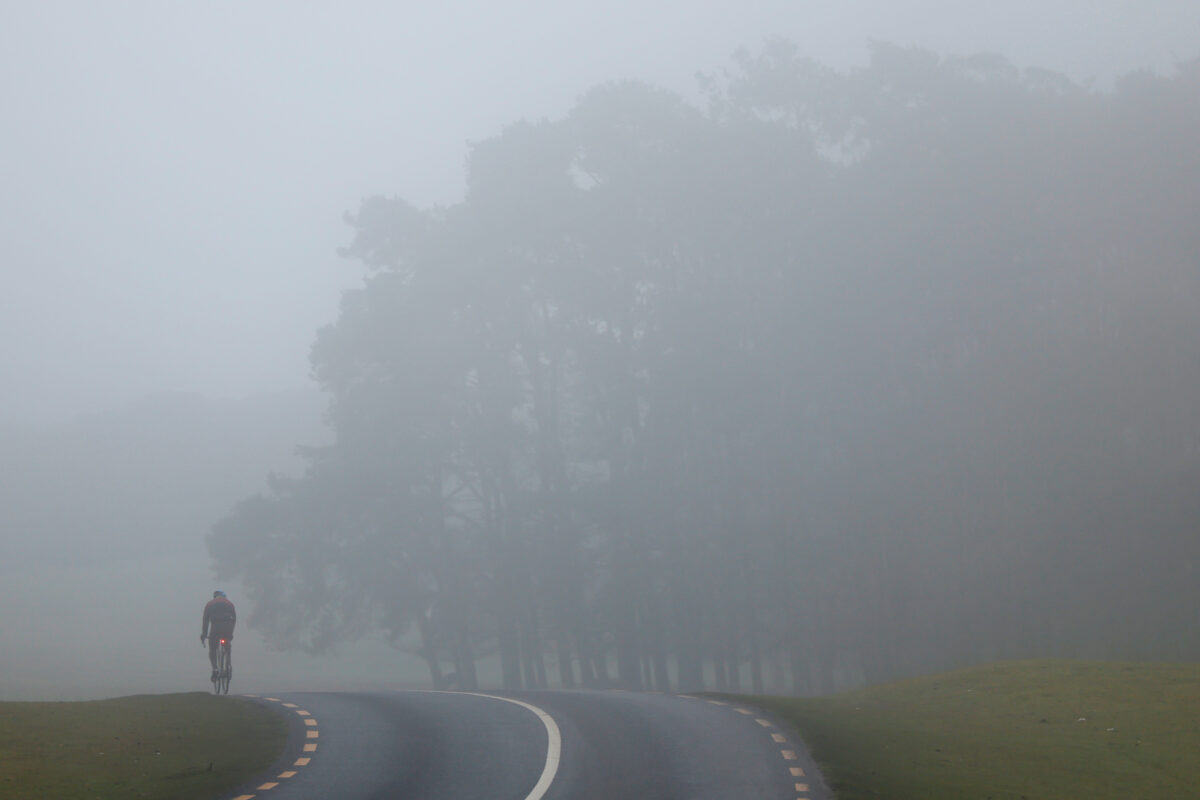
532, 746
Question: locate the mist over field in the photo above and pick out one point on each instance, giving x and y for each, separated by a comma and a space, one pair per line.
109, 571
779, 347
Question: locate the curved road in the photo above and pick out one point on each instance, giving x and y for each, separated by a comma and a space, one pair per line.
580, 745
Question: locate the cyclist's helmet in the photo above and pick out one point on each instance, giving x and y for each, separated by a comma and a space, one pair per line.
218, 593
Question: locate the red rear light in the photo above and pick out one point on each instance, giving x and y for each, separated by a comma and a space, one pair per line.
222, 641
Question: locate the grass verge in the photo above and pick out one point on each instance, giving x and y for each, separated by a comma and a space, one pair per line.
173, 747
1051, 730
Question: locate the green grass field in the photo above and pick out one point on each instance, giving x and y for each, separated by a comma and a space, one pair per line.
1037, 730
173, 747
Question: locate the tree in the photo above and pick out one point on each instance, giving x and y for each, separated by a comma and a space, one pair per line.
815, 386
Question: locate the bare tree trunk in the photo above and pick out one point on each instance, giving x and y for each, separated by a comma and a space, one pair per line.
464, 662
691, 667
722, 677
752, 639
589, 673
510, 656
429, 652
628, 663
603, 678
566, 668
535, 653
662, 674
801, 682
528, 674
734, 665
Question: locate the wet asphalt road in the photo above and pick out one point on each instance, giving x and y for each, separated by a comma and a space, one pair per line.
580, 745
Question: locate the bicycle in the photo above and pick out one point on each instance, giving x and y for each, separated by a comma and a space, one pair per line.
224, 667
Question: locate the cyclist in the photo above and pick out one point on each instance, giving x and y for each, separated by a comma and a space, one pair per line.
219, 619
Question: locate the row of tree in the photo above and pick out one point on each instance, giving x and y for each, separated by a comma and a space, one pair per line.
845, 376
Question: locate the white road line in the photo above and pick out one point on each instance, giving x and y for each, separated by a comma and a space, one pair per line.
553, 746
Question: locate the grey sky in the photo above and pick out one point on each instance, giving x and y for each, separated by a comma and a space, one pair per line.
173, 175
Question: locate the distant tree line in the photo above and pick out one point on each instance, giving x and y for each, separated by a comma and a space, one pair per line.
842, 377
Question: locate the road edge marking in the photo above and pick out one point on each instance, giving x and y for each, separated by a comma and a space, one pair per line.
310, 727
553, 744
803, 790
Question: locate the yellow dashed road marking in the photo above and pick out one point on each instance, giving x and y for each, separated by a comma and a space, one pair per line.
779, 738
311, 747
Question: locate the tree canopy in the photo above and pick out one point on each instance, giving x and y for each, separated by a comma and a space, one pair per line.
842, 377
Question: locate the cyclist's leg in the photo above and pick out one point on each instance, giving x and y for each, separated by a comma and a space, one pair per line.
213, 644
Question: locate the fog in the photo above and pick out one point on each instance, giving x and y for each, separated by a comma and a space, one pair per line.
175, 178
176, 185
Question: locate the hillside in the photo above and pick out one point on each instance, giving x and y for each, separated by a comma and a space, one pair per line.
1052, 730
